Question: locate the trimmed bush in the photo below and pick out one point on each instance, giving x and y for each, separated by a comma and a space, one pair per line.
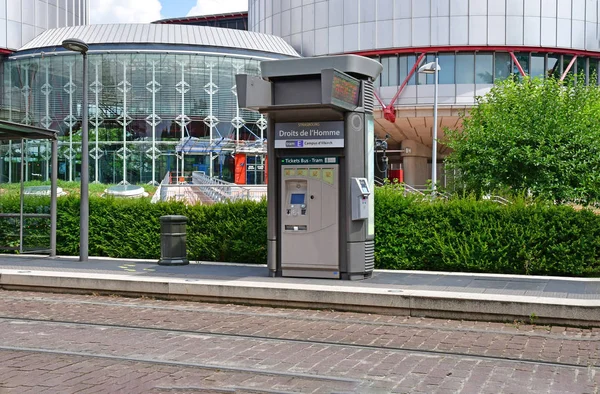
456, 235
479, 236
130, 228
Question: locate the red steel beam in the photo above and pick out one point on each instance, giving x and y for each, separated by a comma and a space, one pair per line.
379, 99
389, 111
455, 48
563, 76
405, 82
514, 58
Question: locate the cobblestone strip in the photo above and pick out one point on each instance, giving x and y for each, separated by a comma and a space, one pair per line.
24, 372
554, 344
380, 370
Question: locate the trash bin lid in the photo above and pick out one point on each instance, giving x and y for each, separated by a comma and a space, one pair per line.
173, 218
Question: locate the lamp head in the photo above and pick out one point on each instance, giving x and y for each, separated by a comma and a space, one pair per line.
429, 68
75, 45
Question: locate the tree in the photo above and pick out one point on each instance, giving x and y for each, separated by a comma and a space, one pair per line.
535, 135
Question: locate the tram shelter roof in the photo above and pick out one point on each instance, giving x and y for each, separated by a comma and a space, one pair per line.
17, 131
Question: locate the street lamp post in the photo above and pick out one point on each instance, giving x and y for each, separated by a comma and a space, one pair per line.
433, 68
73, 44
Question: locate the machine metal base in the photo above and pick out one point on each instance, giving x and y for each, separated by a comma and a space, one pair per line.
323, 274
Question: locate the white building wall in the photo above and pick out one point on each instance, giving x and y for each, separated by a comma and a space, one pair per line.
22, 20
319, 27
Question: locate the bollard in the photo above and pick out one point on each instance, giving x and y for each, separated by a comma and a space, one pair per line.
172, 240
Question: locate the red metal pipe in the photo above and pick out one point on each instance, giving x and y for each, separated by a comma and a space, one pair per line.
464, 48
514, 58
389, 111
379, 99
405, 82
562, 77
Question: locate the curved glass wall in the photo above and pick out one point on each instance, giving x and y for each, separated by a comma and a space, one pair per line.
140, 107
484, 67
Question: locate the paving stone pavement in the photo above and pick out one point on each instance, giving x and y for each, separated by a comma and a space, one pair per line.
71, 343
553, 287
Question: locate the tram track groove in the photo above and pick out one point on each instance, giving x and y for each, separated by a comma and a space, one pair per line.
214, 367
289, 316
412, 351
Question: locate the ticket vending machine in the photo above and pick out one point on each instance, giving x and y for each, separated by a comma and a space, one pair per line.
321, 163
309, 229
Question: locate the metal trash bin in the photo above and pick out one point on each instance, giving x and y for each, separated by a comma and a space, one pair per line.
172, 240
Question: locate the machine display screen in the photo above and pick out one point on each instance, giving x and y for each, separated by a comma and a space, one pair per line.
363, 186
297, 199
345, 90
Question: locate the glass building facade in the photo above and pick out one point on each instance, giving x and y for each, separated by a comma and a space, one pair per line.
140, 106
161, 99
236, 20
484, 67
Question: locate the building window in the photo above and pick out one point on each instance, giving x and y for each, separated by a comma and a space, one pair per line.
593, 77
393, 71
446, 62
553, 68
484, 68
423, 78
465, 66
582, 68
523, 59
502, 66
410, 62
565, 64
537, 66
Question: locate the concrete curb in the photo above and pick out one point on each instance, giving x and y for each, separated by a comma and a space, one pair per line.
451, 305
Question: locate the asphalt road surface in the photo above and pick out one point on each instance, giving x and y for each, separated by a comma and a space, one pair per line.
55, 343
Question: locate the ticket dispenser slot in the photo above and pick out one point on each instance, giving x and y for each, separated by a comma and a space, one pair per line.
360, 194
309, 221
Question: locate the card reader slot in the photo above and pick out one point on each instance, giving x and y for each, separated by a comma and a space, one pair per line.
300, 227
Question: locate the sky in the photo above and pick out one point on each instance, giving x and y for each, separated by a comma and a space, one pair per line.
144, 11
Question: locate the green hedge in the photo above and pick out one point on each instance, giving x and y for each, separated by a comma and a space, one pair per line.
130, 228
456, 235
478, 236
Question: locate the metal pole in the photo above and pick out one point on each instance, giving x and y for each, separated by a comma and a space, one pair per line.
435, 123
210, 106
10, 157
182, 119
22, 198
53, 195
71, 122
125, 123
85, 171
96, 110
154, 90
